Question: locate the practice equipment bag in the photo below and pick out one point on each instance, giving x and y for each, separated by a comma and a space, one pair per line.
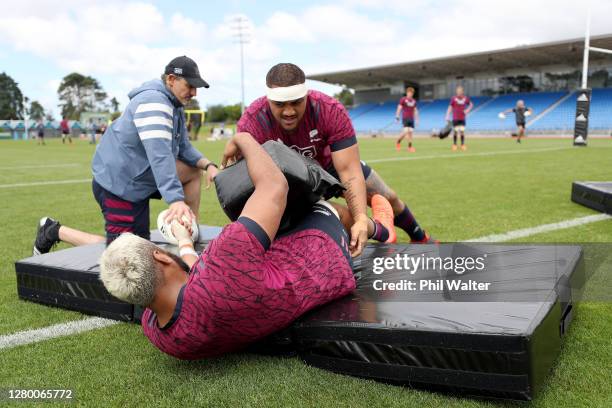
443, 134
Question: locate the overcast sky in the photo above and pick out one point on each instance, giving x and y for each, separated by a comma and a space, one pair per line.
124, 43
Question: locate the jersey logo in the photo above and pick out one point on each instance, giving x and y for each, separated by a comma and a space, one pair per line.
313, 135
309, 151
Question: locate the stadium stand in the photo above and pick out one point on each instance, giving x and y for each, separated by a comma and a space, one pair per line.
600, 116
376, 118
559, 118
486, 119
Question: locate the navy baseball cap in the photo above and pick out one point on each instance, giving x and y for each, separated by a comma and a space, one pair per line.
186, 68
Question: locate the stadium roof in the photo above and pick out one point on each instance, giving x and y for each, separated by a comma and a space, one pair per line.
524, 56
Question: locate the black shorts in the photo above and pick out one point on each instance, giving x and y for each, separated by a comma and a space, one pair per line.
459, 122
65, 133
409, 123
367, 170
323, 219
520, 124
122, 216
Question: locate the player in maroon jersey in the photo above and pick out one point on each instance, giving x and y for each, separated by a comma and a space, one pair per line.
410, 118
249, 281
319, 127
460, 105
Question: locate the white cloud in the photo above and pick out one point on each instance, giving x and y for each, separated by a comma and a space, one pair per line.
126, 43
283, 26
333, 22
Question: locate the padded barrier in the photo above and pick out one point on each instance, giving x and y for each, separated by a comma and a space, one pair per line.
497, 343
307, 180
596, 195
69, 279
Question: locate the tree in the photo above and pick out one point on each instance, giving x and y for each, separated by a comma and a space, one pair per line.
37, 112
216, 113
114, 104
223, 113
345, 96
79, 93
11, 98
233, 112
193, 104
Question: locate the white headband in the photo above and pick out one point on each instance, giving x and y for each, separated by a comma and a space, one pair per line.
287, 93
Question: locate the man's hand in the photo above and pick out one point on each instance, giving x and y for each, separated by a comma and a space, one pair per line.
181, 232
177, 210
211, 173
359, 236
231, 153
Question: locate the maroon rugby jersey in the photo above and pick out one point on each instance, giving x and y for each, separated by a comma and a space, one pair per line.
239, 292
326, 127
459, 104
408, 107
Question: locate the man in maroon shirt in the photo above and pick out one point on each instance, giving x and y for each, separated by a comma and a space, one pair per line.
65, 128
318, 126
249, 281
460, 105
410, 117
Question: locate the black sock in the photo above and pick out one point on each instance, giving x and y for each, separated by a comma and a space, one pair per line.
462, 138
454, 138
409, 144
406, 221
381, 233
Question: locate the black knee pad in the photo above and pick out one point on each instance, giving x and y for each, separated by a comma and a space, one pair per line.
307, 180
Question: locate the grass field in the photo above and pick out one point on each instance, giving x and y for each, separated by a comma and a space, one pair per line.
495, 187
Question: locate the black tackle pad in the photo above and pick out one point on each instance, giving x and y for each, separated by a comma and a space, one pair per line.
308, 183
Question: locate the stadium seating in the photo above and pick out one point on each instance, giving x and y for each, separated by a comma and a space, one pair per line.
559, 118
486, 119
379, 118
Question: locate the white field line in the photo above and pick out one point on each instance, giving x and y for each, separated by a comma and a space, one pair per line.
461, 154
57, 330
39, 166
45, 183
522, 233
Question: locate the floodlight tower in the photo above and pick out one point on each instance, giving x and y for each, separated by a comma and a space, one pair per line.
241, 27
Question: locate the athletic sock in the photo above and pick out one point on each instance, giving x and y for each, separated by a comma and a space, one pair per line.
405, 220
381, 233
409, 144
462, 138
455, 138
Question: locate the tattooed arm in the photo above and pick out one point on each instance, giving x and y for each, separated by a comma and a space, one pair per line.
346, 162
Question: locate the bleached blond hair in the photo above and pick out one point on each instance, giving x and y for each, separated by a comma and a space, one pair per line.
128, 269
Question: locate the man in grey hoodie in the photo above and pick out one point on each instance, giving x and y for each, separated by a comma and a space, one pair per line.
144, 154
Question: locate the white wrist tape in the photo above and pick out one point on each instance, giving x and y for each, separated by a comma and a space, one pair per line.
187, 251
287, 93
